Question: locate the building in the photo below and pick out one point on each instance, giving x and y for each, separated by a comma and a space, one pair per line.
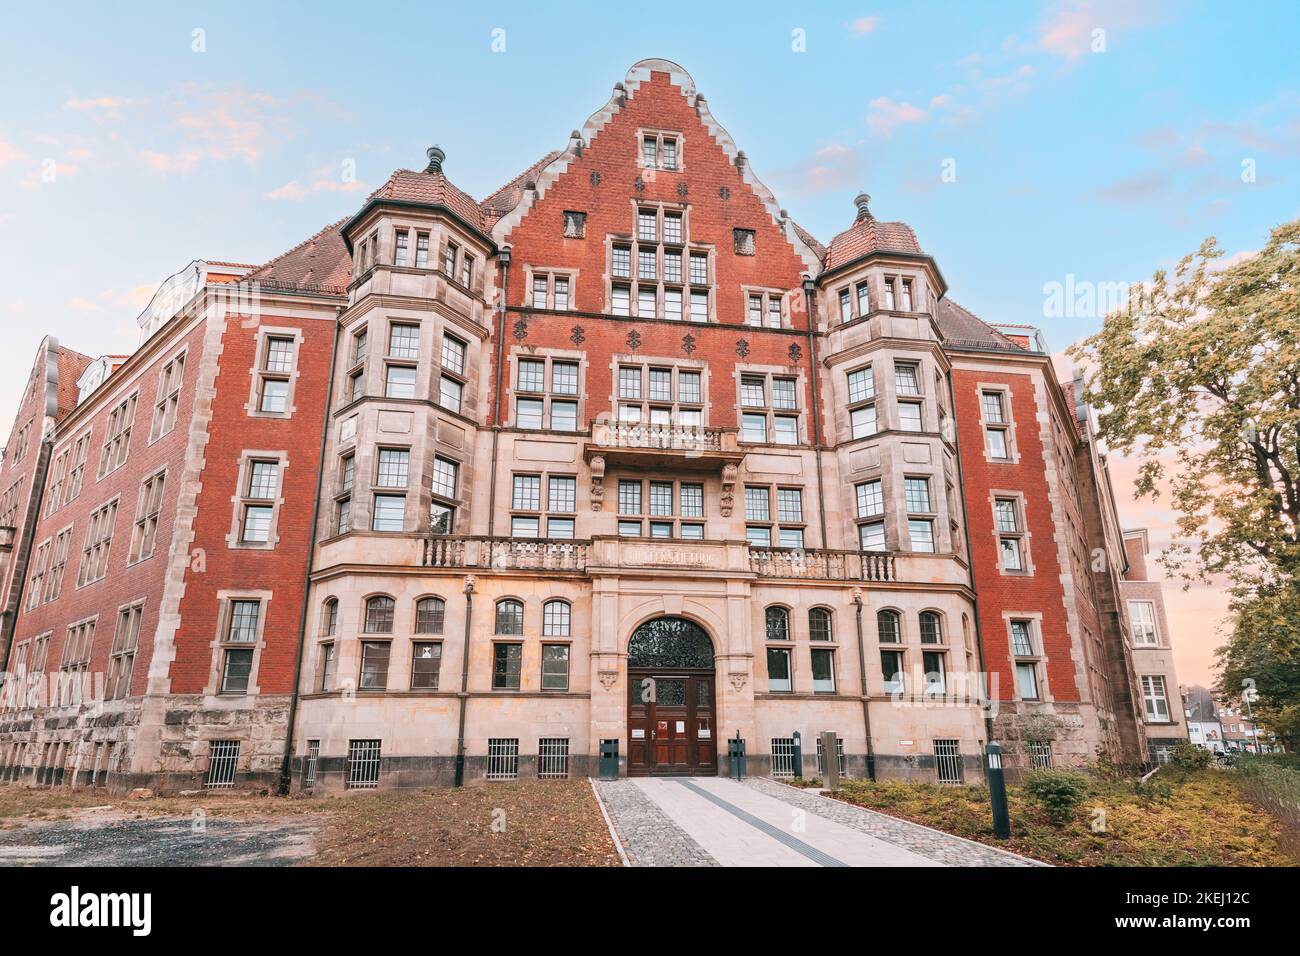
1163, 718
619, 453
1240, 732
1203, 726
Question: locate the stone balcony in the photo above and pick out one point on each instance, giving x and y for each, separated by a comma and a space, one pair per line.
613, 553
658, 445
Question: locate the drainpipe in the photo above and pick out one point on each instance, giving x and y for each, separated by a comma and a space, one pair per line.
814, 374
866, 693
464, 681
283, 787
503, 259
970, 568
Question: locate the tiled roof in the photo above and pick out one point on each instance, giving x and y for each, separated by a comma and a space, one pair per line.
501, 202
433, 188
320, 263
870, 235
962, 327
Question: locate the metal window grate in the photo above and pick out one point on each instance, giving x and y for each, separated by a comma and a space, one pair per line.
221, 766
839, 751
947, 758
313, 759
553, 757
363, 764
783, 756
503, 758
1040, 755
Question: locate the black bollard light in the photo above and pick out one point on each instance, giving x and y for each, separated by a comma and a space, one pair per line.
997, 792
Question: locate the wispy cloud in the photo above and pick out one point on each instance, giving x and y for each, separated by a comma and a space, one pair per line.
884, 115
104, 107
831, 167
325, 180
1073, 28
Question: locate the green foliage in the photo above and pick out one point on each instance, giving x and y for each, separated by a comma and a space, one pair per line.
1198, 377
1189, 758
1274, 785
1059, 791
1262, 655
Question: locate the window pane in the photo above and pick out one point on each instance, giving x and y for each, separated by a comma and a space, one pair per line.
754, 428
823, 671
871, 536
871, 501
692, 501
404, 341
426, 659
688, 387
917, 494
374, 665
264, 480
244, 616
394, 468
629, 497
997, 439
555, 667
1005, 510
786, 430
528, 413
560, 496
444, 477
909, 416
279, 355
524, 527
510, 618
527, 493
783, 393
555, 619
905, 379
275, 395
819, 624
401, 382
450, 393
862, 385
564, 378
531, 375
257, 523
430, 616
863, 421
507, 659
922, 534
629, 382
559, 527
390, 513
778, 669
789, 504
759, 536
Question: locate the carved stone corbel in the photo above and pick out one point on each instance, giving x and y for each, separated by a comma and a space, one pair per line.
597, 482
729, 473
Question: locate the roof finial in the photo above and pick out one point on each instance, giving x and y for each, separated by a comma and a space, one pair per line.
863, 202
436, 156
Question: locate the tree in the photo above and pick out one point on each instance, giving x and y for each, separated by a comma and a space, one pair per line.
1198, 377
1262, 655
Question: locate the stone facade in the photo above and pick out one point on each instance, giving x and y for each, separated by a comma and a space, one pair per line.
512, 438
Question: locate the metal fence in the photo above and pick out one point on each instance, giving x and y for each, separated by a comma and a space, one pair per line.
363, 764
553, 757
839, 751
503, 758
313, 758
783, 756
1040, 755
947, 759
221, 765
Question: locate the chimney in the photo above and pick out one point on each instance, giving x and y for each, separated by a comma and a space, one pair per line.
863, 202
436, 156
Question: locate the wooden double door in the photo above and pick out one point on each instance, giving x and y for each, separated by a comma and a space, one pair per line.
671, 725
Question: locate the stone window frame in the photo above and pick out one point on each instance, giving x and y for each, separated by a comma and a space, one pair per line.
551, 273
124, 645
632, 242
259, 374
660, 134
645, 402
1007, 426
1038, 658
774, 523
1023, 536
104, 542
888, 292
769, 373
544, 513
644, 518
1155, 623
1147, 718
548, 395
241, 499
58, 564
221, 643
119, 428
166, 405
767, 296
144, 516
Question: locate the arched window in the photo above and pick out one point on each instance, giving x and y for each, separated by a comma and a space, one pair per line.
510, 617
555, 619
887, 627
778, 624
670, 642
430, 615
379, 615
330, 618
819, 624
931, 628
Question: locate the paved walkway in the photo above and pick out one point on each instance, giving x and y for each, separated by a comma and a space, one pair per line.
713, 821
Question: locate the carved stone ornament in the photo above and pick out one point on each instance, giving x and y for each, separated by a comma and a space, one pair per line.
728, 499
738, 679
597, 482
608, 679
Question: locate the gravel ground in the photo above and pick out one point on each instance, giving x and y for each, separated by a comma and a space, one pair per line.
112, 838
649, 838
941, 847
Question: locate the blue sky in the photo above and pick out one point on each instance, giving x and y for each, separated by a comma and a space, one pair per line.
1098, 155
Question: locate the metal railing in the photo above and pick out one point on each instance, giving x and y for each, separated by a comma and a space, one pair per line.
503, 758
553, 757
783, 757
822, 565
221, 766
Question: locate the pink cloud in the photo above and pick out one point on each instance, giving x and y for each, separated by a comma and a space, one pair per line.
884, 115
1070, 29
865, 25
11, 154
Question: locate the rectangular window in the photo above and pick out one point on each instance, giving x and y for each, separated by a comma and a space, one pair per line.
1142, 617
236, 670
1021, 639
222, 763
909, 416
1155, 701
629, 497
528, 413
846, 306
871, 499
891, 666
444, 477
404, 341
399, 382
426, 661
507, 660
390, 513
503, 758
673, 230
144, 535
564, 378
394, 468
621, 262
789, 504
527, 493
917, 494
863, 421
121, 663
167, 402
374, 665
906, 379
1027, 680
864, 298
453, 354
117, 436
421, 250
921, 532
99, 540
555, 667
871, 536
932, 663
400, 248
823, 671
363, 764
647, 226
862, 385
778, 670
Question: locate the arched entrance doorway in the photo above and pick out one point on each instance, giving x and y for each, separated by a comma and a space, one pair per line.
671, 728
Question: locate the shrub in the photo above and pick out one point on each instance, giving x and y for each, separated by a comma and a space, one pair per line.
1270, 784
1189, 757
1058, 791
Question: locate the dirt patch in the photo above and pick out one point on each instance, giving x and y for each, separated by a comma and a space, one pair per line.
523, 823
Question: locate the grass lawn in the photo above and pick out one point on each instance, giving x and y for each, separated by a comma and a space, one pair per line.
1204, 821
524, 823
